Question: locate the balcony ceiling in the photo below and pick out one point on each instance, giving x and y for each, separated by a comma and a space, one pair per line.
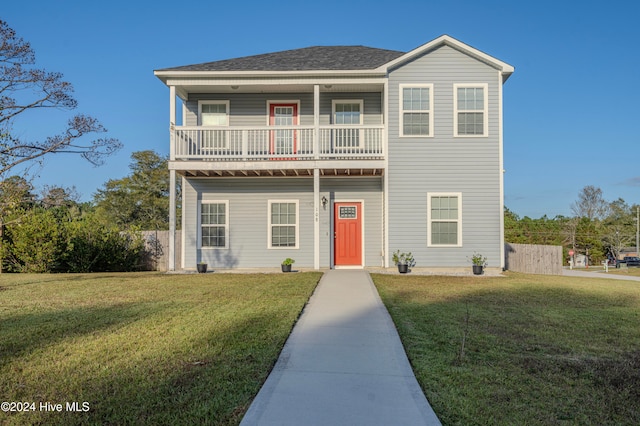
282, 172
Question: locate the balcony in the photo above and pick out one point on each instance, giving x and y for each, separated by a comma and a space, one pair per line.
284, 143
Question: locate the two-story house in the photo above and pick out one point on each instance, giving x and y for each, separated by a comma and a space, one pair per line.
338, 156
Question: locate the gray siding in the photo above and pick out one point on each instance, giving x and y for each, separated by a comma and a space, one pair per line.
251, 109
248, 221
444, 163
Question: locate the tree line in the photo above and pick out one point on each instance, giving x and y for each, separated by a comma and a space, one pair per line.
598, 228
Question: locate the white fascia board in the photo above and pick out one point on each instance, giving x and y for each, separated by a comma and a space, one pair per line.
165, 75
446, 40
192, 80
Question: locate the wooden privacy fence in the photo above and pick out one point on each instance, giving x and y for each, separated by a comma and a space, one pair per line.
533, 259
156, 256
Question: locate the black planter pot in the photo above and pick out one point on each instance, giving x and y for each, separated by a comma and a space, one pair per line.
403, 269
477, 269
202, 267
286, 268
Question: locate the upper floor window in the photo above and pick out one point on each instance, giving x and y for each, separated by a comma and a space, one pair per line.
444, 219
471, 109
416, 110
214, 113
347, 112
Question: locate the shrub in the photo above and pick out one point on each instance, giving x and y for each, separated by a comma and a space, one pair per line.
35, 243
47, 241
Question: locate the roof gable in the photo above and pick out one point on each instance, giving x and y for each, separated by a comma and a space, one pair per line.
446, 40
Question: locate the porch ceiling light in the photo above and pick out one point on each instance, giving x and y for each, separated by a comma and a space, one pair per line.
235, 87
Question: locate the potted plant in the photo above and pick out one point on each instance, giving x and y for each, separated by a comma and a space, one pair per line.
286, 264
479, 262
202, 267
404, 261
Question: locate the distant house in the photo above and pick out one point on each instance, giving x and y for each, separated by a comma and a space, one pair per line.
337, 156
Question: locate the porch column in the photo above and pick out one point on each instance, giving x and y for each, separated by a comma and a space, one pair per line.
316, 177
172, 220
316, 218
385, 179
172, 181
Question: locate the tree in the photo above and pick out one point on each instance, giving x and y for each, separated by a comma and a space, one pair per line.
590, 204
619, 225
24, 88
58, 196
140, 199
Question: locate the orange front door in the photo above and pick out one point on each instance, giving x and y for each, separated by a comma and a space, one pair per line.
348, 234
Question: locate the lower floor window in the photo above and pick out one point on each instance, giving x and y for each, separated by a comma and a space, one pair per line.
283, 224
444, 213
213, 224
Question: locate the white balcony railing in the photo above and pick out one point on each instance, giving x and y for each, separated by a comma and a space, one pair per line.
281, 143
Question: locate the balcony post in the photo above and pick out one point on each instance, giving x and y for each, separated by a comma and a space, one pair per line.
172, 122
245, 144
172, 180
316, 121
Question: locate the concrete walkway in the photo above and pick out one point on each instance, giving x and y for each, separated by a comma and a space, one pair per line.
343, 364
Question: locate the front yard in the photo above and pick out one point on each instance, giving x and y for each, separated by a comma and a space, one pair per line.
142, 348
521, 349
194, 349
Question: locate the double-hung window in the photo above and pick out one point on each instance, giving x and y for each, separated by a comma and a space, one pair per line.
416, 110
471, 105
283, 224
214, 224
347, 113
213, 114
444, 217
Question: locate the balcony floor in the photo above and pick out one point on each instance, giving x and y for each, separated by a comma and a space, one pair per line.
278, 168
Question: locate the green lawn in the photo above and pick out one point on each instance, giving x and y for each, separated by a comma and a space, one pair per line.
537, 350
194, 349
143, 348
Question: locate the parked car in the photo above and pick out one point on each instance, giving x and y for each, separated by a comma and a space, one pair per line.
631, 261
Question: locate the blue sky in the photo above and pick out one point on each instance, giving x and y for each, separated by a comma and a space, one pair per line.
570, 109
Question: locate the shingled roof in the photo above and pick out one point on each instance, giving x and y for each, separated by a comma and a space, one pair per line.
316, 58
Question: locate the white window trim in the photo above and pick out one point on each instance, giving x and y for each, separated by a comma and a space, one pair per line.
360, 102
210, 102
269, 227
285, 102
429, 220
226, 225
401, 88
335, 102
485, 111
203, 137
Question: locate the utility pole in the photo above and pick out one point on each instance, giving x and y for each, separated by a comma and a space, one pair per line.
637, 230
